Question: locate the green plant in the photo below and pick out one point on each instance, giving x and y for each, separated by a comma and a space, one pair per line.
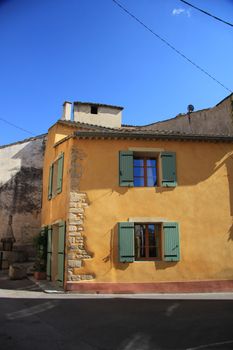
40, 243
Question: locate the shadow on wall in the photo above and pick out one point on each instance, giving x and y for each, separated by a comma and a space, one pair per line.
230, 232
112, 258
228, 162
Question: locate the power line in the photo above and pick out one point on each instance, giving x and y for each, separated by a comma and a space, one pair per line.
207, 13
17, 127
169, 45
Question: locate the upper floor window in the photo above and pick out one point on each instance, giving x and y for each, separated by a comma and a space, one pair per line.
145, 171
140, 170
55, 177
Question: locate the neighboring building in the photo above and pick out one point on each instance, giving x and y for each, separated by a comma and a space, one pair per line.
132, 209
211, 121
21, 166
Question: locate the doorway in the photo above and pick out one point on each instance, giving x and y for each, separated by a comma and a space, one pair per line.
55, 252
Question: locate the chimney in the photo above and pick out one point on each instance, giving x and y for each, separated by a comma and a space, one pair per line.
98, 114
67, 109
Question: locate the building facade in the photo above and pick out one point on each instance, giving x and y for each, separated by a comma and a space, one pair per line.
21, 191
217, 120
128, 209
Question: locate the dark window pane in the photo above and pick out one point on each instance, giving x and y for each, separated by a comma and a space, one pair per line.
139, 181
151, 227
151, 162
153, 252
138, 162
94, 110
140, 241
151, 232
138, 171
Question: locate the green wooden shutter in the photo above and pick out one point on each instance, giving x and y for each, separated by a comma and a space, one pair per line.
61, 249
60, 172
49, 252
126, 168
50, 186
171, 246
126, 241
168, 169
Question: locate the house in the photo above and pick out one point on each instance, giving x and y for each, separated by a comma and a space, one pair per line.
136, 209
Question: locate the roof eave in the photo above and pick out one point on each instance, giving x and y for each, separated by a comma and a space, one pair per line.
153, 136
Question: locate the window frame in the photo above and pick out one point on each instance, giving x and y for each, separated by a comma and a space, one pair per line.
147, 246
145, 169
166, 167
169, 240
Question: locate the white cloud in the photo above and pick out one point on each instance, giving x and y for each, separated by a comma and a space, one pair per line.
179, 11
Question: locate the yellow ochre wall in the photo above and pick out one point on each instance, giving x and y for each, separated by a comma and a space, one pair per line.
56, 209
201, 203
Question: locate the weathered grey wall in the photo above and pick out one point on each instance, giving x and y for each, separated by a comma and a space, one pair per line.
216, 120
21, 166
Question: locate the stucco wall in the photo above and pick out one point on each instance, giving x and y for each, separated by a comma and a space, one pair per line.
21, 188
216, 120
92, 203
201, 203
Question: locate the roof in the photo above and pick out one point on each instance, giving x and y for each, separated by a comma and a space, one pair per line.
150, 135
87, 131
98, 105
149, 132
34, 138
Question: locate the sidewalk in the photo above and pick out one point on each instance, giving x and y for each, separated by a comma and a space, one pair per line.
32, 289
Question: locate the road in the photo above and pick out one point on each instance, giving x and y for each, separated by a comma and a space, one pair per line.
115, 324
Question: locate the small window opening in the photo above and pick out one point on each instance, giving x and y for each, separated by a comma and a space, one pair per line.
94, 110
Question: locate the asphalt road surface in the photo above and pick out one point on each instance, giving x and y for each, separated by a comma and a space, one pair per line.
115, 324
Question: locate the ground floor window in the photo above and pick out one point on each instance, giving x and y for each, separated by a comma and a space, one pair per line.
143, 241
147, 241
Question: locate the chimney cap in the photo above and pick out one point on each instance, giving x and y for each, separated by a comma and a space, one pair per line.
66, 102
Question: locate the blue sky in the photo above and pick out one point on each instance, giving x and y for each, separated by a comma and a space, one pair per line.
89, 50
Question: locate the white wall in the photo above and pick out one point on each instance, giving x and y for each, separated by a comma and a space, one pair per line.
107, 116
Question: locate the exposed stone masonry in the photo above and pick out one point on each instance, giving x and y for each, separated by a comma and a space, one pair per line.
76, 252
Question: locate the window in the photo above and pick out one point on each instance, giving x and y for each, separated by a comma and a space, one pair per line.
94, 110
148, 241
55, 177
145, 171
140, 170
